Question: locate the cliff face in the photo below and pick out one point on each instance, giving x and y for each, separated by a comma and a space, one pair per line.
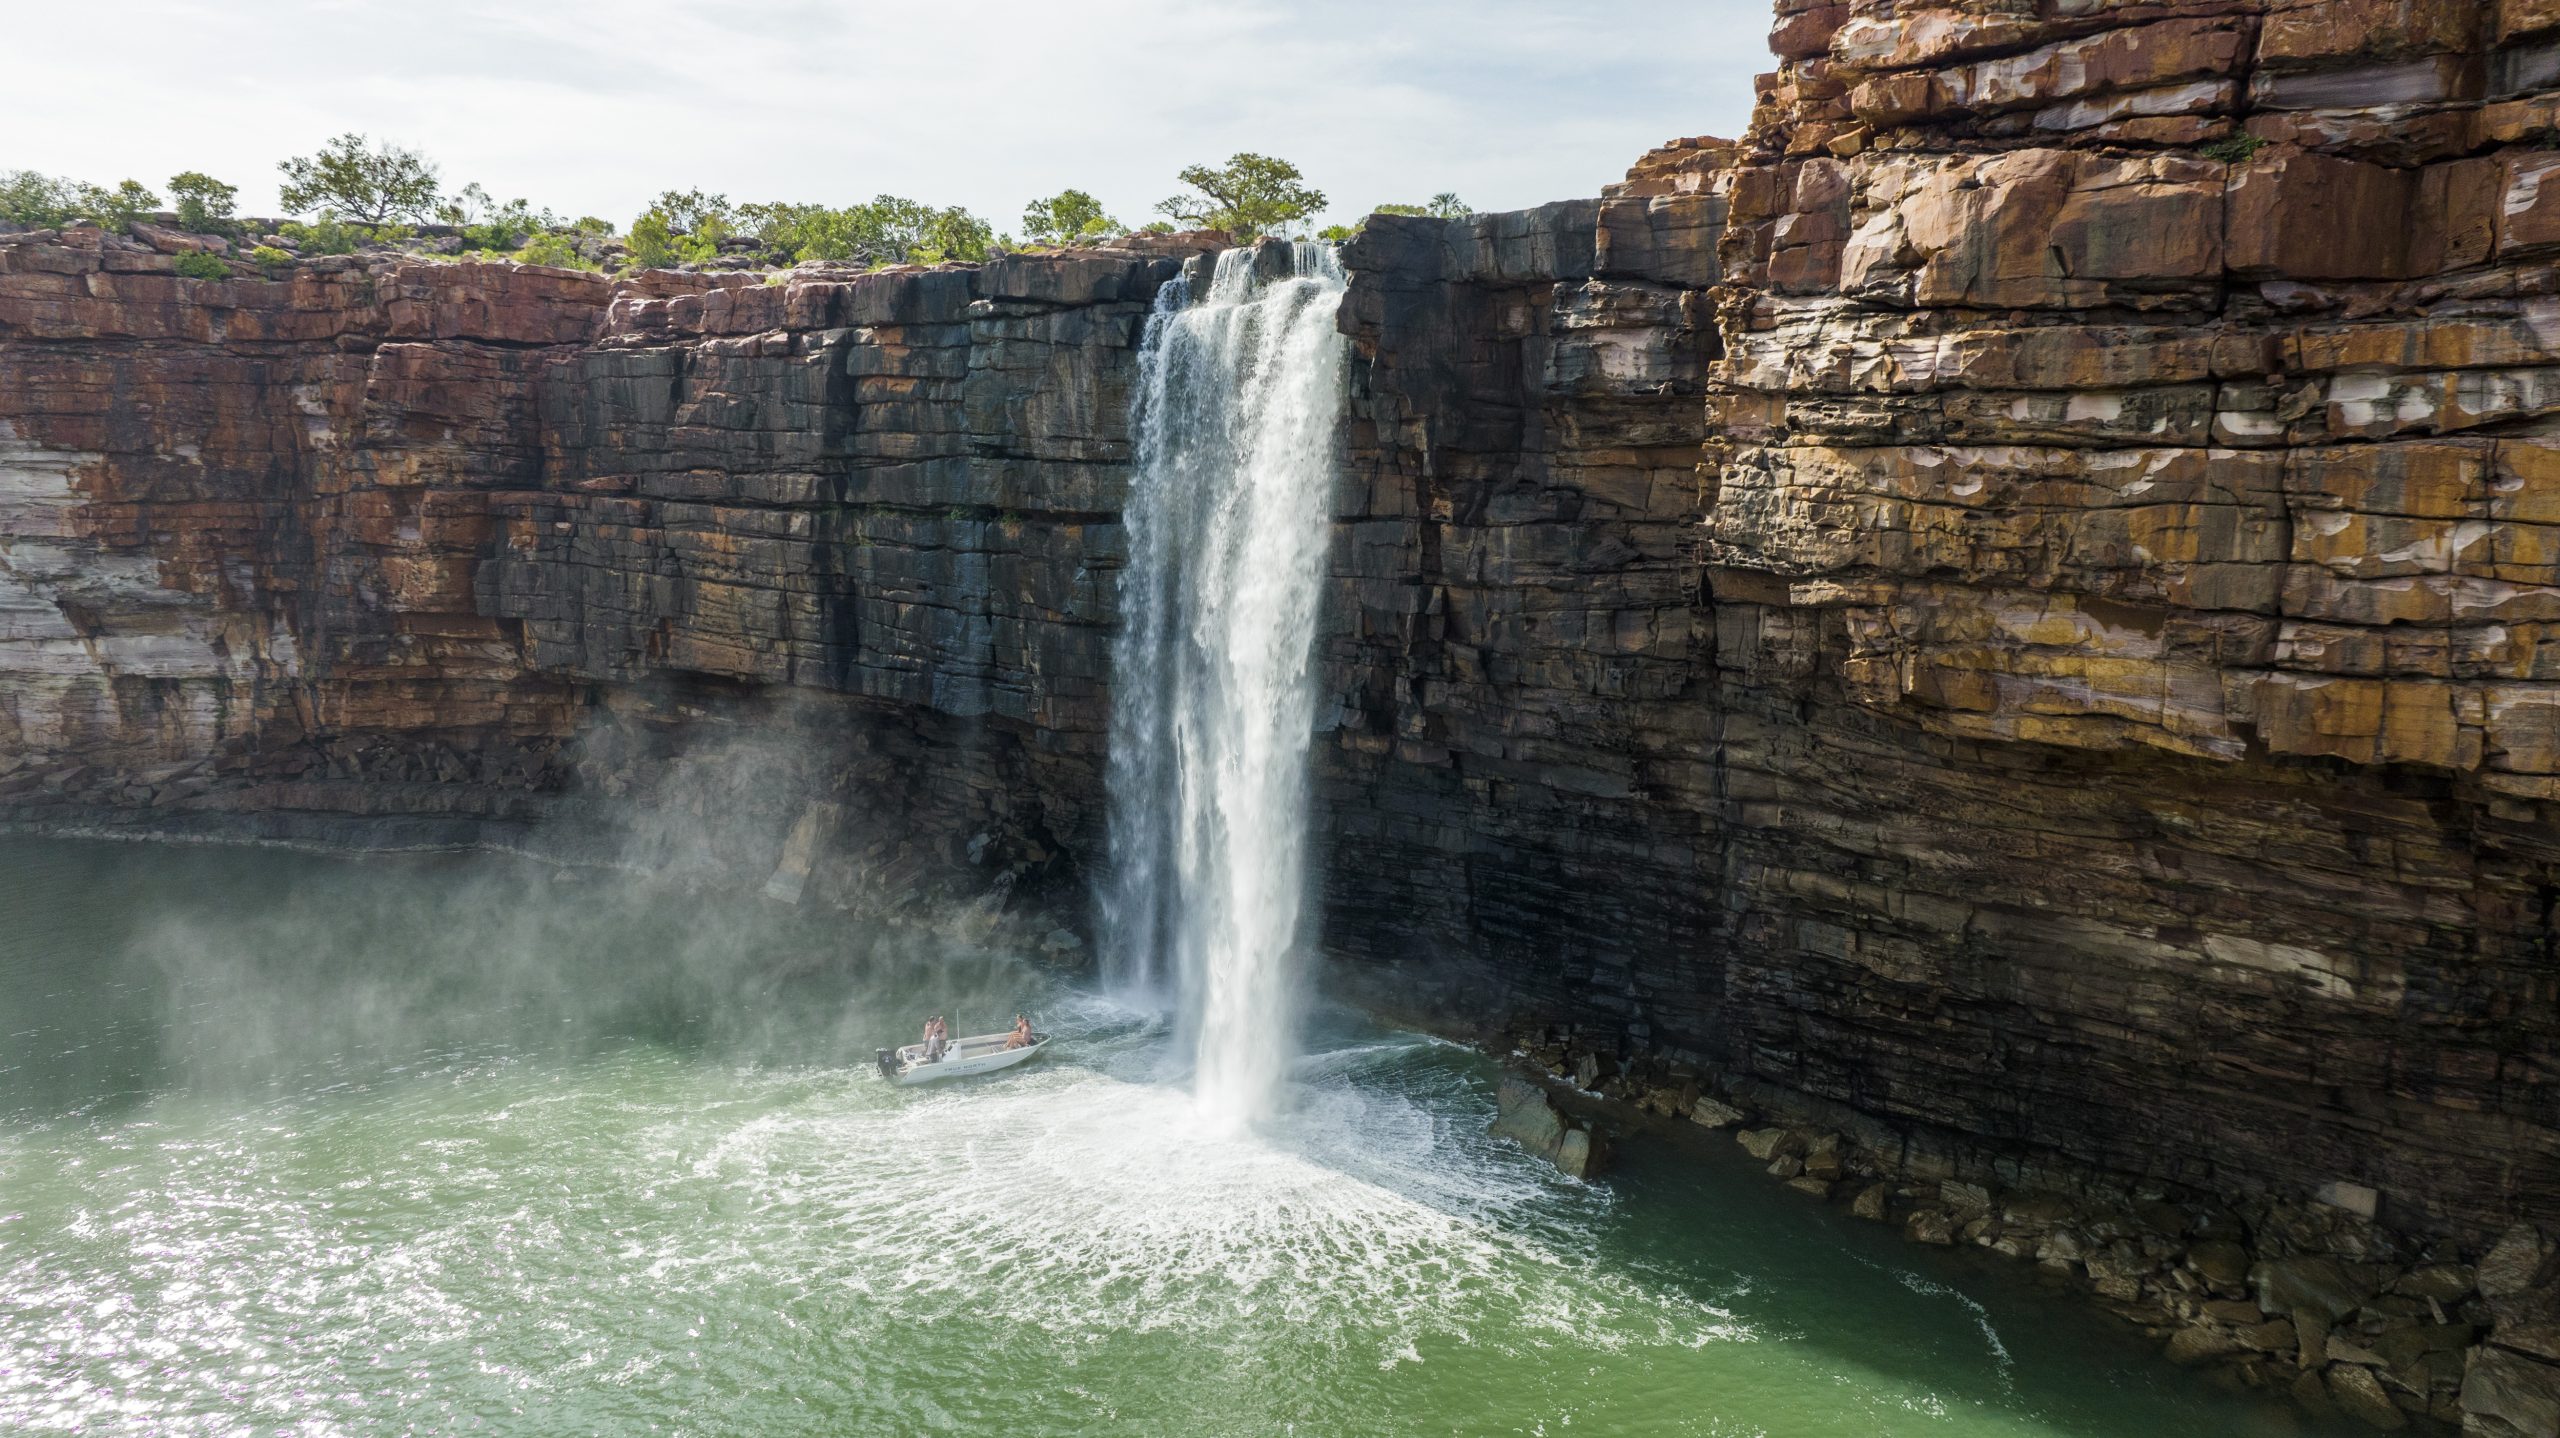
251, 511
2009, 599
1520, 787
454, 540
2129, 535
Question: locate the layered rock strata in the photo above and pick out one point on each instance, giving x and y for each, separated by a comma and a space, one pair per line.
1520, 787
2005, 605
2127, 544
403, 539
2127, 541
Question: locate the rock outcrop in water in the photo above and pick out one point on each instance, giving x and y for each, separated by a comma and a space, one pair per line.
1526, 1116
2006, 603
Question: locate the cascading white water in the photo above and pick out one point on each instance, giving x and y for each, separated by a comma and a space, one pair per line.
1213, 672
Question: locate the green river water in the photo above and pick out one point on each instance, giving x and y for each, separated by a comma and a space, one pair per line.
311, 1146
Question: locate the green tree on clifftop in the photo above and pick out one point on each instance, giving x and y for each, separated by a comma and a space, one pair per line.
1065, 218
1442, 206
1248, 197
204, 203
681, 227
365, 183
886, 230
489, 224
41, 202
693, 212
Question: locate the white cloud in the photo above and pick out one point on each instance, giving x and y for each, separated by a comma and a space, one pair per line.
592, 106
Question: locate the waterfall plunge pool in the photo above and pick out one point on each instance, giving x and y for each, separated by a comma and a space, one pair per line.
309, 1145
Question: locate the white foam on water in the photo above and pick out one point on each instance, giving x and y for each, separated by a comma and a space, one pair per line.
1094, 1205
1981, 1319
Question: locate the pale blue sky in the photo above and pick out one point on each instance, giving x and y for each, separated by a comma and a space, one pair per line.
591, 106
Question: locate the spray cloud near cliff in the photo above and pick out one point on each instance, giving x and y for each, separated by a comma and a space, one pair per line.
728, 890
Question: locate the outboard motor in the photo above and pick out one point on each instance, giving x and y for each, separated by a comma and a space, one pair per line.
888, 1061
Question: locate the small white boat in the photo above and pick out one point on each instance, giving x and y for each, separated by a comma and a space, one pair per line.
961, 1058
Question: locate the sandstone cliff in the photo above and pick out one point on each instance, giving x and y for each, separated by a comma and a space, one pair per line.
2134, 456
2128, 532
409, 539
2007, 601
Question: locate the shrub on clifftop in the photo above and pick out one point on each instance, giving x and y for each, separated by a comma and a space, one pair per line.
557, 250
681, 227
333, 236
1442, 206
487, 224
690, 212
927, 236
889, 229
1248, 197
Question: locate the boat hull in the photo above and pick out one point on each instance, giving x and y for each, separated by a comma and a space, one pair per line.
966, 1058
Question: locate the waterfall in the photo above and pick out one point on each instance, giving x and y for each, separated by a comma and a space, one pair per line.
1213, 671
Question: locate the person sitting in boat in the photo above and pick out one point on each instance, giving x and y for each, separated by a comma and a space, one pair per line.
1020, 1038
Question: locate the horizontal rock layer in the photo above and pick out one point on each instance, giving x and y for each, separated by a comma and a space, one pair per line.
2126, 526
414, 537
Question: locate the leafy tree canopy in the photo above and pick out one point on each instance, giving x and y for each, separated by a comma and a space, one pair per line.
554, 248
488, 224
330, 235
887, 230
204, 203
1249, 196
42, 202
681, 227
1444, 206
365, 183
691, 212
1065, 218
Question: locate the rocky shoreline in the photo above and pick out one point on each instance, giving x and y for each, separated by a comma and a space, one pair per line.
2314, 1299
